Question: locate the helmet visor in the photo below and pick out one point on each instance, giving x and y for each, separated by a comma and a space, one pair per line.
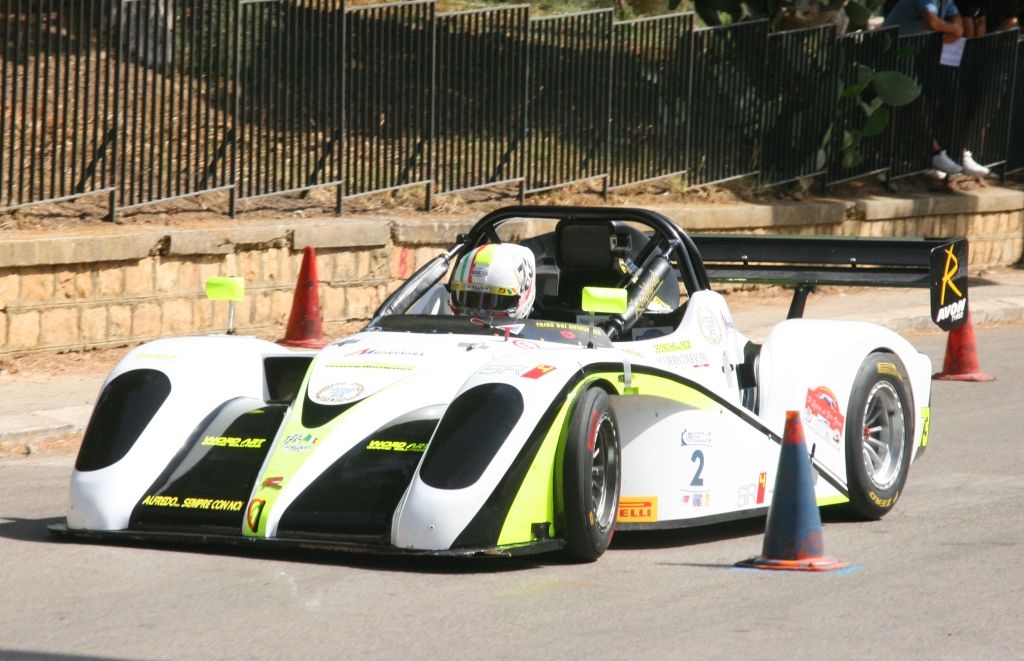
484, 301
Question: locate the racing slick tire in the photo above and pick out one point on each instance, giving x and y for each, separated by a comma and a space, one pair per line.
591, 474
879, 430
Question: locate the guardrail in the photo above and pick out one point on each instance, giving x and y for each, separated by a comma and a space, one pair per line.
151, 100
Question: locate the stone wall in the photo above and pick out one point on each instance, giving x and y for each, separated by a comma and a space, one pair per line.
119, 285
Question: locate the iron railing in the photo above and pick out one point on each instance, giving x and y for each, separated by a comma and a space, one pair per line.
986, 82
58, 126
149, 100
1015, 139
388, 86
289, 96
176, 113
798, 104
854, 154
650, 98
480, 99
917, 56
569, 101
727, 95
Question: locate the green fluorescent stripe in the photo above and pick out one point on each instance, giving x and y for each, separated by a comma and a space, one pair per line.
832, 500
534, 503
285, 464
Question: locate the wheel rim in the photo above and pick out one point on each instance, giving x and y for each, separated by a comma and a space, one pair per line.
883, 435
604, 472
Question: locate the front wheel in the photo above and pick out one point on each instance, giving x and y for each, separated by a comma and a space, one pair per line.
879, 429
590, 477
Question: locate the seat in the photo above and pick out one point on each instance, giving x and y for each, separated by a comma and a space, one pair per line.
589, 254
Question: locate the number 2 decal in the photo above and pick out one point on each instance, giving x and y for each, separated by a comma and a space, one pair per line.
698, 458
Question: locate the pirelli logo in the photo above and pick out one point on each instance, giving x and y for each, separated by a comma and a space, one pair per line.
638, 510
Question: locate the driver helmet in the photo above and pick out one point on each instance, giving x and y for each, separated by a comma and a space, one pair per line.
495, 280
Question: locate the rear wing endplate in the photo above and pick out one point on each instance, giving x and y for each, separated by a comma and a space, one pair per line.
937, 264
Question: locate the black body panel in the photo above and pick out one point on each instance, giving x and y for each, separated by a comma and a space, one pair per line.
206, 485
356, 497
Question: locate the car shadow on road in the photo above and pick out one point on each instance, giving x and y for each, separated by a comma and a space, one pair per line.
36, 530
681, 537
26, 655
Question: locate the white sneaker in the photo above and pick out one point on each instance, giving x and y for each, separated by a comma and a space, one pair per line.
935, 174
972, 168
944, 163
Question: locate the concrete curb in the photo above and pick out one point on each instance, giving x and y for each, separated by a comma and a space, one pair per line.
45, 425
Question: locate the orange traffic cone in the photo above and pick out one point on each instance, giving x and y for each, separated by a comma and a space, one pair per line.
961, 362
792, 538
305, 325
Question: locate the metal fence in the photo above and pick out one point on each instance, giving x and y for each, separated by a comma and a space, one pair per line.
290, 74
650, 98
569, 101
728, 92
917, 56
57, 128
986, 90
1015, 140
388, 86
798, 103
480, 99
149, 100
855, 151
176, 111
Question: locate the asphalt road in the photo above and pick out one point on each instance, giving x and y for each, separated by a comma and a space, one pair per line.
939, 578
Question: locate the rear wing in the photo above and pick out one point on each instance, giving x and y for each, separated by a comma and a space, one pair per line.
937, 264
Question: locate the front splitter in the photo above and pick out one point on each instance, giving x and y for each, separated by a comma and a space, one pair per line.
529, 548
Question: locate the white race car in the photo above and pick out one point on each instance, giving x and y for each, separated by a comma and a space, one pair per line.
429, 433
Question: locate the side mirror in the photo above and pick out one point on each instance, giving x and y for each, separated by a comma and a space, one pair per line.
230, 289
605, 300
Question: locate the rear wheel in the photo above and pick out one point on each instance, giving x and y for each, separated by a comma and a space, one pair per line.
879, 430
590, 477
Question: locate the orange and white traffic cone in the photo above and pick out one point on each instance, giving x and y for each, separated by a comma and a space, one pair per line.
305, 325
961, 363
792, 538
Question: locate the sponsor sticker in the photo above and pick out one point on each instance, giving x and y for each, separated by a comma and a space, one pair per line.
638, 510
761, 480
161, 501
396, 446
949, 284
336, 393
821, 415
526, 344
671, 347
708, 323
211, 504
385, 352
697, 499
272, 483
685, 359
690, 437
234, 442
299, 443
569, 335
252, 515
538, 371
372, 366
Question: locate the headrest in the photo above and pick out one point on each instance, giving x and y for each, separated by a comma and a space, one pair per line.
583, 245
